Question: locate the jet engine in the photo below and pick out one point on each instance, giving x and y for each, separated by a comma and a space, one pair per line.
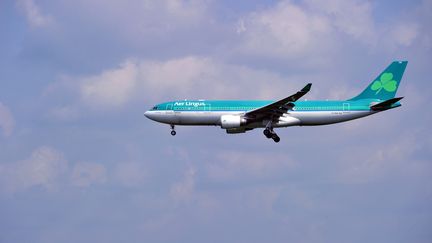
232, 121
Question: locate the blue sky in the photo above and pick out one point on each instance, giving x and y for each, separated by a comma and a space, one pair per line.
80, 163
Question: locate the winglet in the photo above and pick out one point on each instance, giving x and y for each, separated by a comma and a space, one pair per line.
307, 88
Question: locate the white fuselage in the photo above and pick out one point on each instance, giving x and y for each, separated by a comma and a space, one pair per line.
291, 118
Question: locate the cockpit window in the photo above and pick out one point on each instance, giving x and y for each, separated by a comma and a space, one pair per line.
154, 108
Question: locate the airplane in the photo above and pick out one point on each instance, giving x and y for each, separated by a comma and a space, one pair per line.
240, 116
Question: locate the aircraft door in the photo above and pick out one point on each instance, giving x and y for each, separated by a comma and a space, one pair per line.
169, 109
346, 107
207, 107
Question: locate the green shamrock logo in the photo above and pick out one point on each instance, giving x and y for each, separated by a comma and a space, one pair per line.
386, 82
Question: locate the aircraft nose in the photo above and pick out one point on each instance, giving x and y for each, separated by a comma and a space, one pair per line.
150, 115
147, 114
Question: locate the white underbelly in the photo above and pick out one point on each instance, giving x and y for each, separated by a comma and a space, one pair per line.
310, 118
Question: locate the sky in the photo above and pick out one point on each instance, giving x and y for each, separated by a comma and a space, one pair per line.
80, 163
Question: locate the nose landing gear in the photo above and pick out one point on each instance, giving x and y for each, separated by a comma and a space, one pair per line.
173, 132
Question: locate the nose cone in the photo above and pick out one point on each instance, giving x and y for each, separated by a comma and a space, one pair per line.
146, 114
151, 115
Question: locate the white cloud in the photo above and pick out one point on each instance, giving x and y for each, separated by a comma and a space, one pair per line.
131, 174
404, 34
189, 77
7, 122
45, 167
240, 27
352, 17
138, 21
286, 29
65, 113
34, 14
178, 74
237, 165
86, 174
112, 88
185, 8
318, 28
372, 163
183, 190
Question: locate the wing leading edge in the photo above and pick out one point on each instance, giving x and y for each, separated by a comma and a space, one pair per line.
276, 109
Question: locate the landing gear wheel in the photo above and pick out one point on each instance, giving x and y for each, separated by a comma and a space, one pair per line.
275, 138
173, 132
267, 133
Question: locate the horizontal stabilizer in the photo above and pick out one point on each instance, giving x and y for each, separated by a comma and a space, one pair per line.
385, 105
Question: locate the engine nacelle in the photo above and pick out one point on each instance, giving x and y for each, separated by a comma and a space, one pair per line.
232, 121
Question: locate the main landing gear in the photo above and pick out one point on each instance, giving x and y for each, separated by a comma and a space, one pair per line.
173, 132
269, 133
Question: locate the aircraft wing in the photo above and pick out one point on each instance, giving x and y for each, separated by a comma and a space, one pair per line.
276, 109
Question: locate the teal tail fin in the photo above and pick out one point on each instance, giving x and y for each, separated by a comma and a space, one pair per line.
385, 86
